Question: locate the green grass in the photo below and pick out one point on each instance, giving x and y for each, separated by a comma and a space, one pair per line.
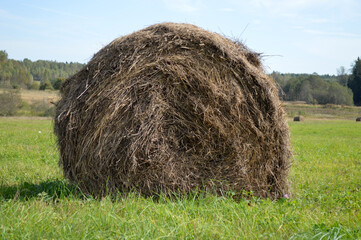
36, 203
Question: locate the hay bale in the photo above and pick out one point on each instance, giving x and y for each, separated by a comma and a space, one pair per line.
298, 119
358, 119
173, 108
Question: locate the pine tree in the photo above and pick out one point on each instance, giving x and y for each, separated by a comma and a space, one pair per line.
355, 82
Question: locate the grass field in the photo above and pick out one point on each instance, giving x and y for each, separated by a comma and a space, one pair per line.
31, 96
33, 103
328, 111
36, 203
34, 96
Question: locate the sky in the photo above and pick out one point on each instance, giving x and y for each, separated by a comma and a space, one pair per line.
294, 36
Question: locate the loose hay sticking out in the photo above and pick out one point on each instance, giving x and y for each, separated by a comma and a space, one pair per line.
298, 118
173, 108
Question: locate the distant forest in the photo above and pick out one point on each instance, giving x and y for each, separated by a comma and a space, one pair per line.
34, 75
342, 89
314, 88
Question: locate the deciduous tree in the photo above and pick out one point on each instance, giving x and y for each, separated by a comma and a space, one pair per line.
342, 76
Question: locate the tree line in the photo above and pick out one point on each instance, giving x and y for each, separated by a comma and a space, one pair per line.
342, 89
34, 75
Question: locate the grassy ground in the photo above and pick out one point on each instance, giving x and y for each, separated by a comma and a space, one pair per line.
36, 203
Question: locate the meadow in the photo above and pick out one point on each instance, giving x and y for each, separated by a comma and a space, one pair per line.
22, 102
33, 96
325, 202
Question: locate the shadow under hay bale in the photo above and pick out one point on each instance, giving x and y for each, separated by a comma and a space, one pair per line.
173, 108
298, 119
358, 119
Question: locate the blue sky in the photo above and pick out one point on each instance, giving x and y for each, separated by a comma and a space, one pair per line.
298, 36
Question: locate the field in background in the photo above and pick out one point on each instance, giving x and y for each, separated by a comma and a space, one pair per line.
328, 111
37, 203
33, 96
29, 102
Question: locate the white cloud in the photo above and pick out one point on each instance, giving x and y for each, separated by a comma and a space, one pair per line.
226, 10
319, 20
333, 49
294, 5
295, 8
330, 33
187, 6
284, 6
13, 21
56, 11
6, 15
10, 17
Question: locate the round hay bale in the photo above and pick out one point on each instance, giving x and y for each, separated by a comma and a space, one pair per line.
358, 119
173, 108
298, 119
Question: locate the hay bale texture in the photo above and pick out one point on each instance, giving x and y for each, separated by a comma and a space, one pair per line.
173, 108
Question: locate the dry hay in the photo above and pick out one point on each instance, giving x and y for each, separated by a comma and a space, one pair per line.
358, 119
173, 108
298, 118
